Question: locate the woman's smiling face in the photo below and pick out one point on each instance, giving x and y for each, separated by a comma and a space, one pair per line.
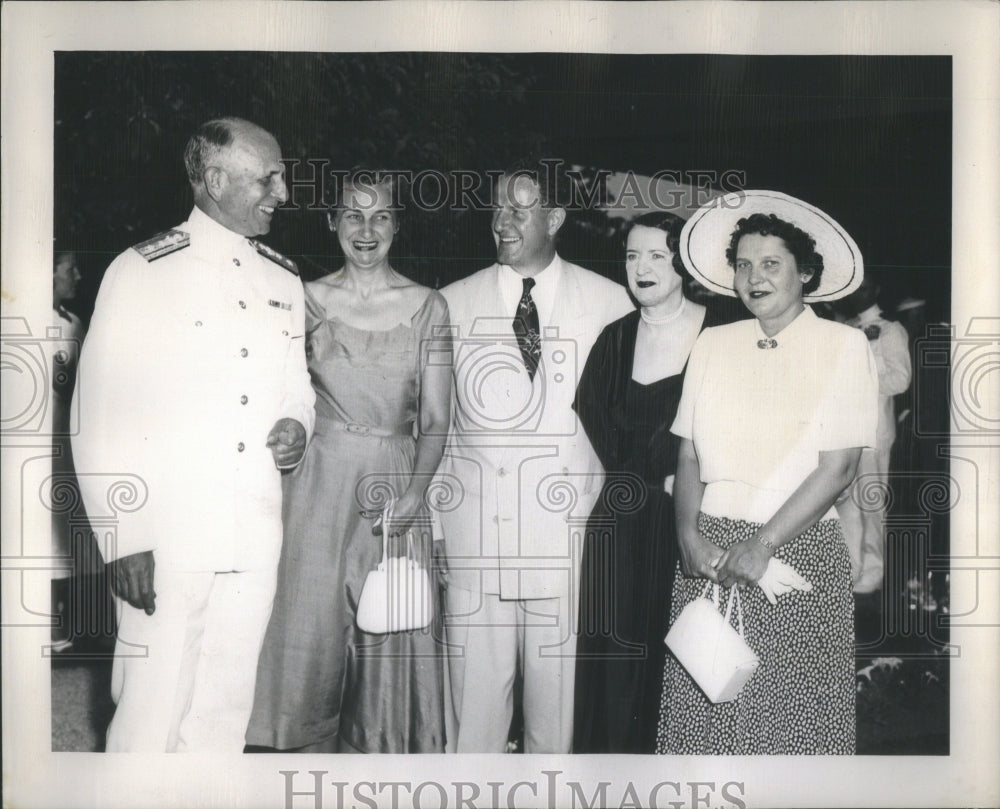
365, 224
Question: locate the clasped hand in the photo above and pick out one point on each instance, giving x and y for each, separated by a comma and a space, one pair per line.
742, 563
287, 441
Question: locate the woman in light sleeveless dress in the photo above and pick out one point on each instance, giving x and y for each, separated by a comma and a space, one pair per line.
380, 364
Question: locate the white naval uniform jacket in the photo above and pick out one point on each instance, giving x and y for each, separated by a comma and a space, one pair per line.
519, 476
191, 358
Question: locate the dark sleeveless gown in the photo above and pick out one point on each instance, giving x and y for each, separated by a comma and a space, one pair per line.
630, 548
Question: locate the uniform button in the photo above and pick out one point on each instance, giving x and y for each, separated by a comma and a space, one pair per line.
243, 304
284, 333
243, 352
243, 399
501, 472
197, 323
240, 447
496, 519
236, 261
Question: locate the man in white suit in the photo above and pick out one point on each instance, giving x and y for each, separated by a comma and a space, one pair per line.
193, 381
521, 473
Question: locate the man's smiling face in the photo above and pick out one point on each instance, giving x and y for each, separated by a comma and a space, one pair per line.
524, 230
254, 182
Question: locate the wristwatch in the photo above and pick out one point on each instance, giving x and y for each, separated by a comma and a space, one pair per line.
767, 543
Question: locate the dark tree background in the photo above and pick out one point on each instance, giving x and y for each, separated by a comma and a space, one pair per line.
867, 139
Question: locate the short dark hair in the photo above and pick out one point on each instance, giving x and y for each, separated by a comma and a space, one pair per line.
669, 223
799, 243
207, 141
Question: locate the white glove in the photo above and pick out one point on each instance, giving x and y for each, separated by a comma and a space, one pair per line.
780, 578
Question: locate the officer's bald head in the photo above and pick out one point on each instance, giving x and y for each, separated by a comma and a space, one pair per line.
236, 174
213, 138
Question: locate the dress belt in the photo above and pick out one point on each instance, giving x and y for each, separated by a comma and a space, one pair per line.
356, 428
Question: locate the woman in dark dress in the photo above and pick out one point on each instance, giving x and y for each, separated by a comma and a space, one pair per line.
626, 401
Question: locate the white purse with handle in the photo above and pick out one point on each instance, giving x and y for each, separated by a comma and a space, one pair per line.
714, 653
397, 595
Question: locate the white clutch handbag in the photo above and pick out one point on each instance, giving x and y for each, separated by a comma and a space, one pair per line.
715, 655
397, 595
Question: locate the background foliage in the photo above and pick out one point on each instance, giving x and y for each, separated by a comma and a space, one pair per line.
867, 139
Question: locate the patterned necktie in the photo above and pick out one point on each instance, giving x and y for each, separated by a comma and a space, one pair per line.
526, 329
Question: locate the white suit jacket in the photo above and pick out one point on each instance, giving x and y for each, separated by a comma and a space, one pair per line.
519, 477
191, 358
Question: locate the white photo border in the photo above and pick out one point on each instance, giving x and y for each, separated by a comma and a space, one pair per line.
32, 32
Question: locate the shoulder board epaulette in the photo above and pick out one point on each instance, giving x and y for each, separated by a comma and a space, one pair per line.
162, 244
275, 256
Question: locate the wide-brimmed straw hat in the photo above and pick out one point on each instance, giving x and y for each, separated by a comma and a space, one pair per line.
707, 233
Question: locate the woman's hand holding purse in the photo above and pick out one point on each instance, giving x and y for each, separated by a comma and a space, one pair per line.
698, 557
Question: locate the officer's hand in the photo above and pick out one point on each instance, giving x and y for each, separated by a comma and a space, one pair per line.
287, 441
132, 580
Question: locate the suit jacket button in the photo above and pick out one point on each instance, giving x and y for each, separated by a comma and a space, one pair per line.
240, 447
243, 352
501, 472
243, 399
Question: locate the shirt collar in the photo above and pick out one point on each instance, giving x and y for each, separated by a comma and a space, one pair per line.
207, 233
543, 292
803, 321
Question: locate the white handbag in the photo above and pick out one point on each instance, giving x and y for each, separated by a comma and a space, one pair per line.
715, 655
397, 595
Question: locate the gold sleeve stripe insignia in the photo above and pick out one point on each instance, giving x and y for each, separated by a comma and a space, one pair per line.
163, 244
275, 256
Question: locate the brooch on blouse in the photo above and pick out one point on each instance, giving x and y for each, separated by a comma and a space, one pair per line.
768, 343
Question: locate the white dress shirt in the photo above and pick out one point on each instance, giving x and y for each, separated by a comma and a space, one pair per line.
543, 293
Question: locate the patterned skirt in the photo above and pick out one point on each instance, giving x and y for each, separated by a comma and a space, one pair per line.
801, 698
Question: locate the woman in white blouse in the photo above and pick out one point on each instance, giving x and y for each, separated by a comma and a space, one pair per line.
773, 417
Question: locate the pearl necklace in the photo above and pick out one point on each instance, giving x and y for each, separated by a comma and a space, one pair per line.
664, 319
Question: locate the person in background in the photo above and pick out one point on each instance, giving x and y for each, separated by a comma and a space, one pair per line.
521, 470
626, 400
773, 417
863, 515
65, 352
381, 368
193, 390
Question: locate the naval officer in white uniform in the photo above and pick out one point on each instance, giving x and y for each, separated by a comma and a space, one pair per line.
193, 390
